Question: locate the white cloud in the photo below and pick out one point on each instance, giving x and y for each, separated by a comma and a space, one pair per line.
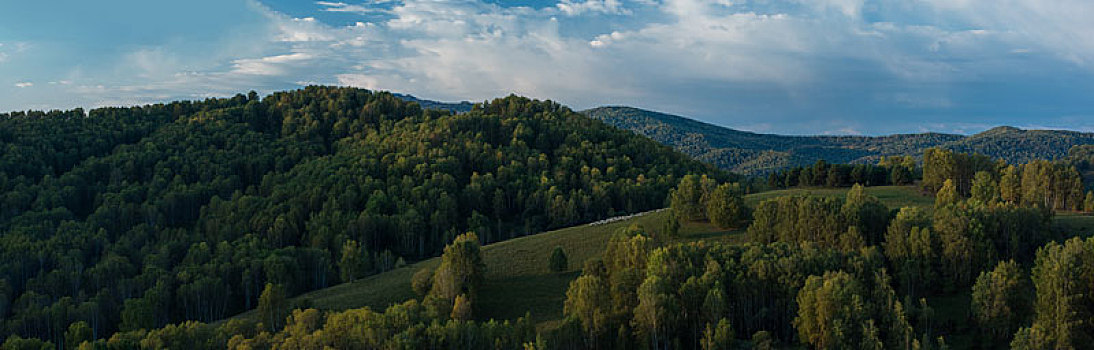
24, 84
764, 63
271, 65
331, 6
574, 8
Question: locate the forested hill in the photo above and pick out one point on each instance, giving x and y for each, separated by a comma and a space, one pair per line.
133, 218
753, 153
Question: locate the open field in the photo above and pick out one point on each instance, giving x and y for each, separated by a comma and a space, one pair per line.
891, 196
517, 278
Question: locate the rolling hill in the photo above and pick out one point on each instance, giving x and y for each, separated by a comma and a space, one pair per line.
755, 153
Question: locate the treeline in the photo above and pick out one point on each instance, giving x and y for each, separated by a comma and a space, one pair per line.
701, 198
849, 224
894, 170
1050, 185
299, 189
722, 296
443, 319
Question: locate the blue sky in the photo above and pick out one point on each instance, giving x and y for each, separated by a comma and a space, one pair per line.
794, 66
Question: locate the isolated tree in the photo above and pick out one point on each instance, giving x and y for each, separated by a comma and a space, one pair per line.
273, 307
725, 205
422, 281
557, 261
1001, 300
1088, 204
671, 227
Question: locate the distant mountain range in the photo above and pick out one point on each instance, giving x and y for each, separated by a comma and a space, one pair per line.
753, 153
455, 107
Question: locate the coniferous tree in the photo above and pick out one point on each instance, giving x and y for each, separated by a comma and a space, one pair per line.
557, 262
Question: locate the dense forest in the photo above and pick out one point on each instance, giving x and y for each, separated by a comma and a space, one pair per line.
819, 272
147, 227
135, 218
760, 154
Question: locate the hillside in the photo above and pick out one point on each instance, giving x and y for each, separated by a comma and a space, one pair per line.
139, 217
517, 279
753, 153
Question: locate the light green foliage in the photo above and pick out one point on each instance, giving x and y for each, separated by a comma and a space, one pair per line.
984, 187
355, 261
947, 195
1010, 185
1062, 279
588, 300
1001, 300
718, 337
272, 307
461, 270
689, 198
461, 309
913, 250
726, 206
657, 310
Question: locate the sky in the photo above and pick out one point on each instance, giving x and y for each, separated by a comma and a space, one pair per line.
774, 66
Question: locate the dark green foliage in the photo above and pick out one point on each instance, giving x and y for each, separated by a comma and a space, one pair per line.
193, 207
557, 262
823, 174
1001, 300
422, 281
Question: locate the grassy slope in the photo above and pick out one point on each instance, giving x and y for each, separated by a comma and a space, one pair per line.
517, 279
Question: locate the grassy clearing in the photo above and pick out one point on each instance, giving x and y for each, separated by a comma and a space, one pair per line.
892, 196
517, 279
